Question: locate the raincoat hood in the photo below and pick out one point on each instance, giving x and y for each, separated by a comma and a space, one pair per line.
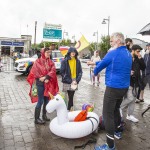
43, 53
72, 49
43, 50
43, 67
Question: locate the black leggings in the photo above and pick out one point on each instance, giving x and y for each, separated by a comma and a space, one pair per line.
111, 112
70, 102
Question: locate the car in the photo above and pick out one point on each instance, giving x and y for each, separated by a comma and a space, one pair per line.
24, 65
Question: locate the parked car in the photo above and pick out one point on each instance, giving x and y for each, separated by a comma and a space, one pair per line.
24, 65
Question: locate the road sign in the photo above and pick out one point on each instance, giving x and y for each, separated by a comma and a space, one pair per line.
52, 33
6, 43
52, 26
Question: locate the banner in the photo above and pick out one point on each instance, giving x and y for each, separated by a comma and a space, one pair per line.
82, 44
63, 50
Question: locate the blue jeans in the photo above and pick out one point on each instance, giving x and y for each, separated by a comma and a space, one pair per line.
41, 98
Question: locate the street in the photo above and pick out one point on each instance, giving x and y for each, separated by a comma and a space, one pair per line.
18, 131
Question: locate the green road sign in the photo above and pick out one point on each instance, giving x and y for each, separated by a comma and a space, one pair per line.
52, 33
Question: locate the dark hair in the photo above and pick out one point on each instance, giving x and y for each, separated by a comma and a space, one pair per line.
136, 47
128, 40
72, 49
46, 49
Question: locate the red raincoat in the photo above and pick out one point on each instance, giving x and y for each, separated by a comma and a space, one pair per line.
40, 68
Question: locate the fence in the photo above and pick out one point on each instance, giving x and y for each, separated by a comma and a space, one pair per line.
7, 64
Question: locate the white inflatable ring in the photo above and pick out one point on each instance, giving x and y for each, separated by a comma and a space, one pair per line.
63, 124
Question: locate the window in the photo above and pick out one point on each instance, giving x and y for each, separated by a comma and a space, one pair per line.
56, 54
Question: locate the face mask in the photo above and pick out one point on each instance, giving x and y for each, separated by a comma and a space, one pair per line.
135, 56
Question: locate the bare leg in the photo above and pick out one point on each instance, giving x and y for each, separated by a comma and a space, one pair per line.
142, 95
98, 81
93, 79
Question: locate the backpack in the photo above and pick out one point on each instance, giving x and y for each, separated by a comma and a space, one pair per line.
82, 116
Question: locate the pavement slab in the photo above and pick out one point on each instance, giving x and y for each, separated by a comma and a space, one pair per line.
18, 131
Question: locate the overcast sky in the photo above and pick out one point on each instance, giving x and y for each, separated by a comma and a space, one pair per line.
75, 16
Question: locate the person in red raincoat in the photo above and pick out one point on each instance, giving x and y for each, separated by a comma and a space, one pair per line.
43, 72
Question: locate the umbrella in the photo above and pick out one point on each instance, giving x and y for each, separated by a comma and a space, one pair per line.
145, 30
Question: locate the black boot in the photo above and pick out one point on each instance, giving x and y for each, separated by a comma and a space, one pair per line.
44, 116
37, 116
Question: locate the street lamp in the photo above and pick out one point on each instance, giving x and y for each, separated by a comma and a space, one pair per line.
104, 22
73, 37
64, 34
35, 35
94, 34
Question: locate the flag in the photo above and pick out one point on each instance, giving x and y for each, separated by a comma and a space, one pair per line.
63, 50
82, 44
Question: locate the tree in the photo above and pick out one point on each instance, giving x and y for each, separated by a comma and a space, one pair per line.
92, 48
65, 42
104, 45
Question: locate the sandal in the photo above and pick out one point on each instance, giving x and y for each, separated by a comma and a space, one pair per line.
141, 100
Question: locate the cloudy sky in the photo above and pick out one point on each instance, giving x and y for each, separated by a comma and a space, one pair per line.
76, 17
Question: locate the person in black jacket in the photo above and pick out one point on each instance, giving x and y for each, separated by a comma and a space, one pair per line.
147, 63
145, 75
71, 72
138, 65
128, 43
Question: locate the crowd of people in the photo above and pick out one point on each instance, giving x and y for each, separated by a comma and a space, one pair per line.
127, 74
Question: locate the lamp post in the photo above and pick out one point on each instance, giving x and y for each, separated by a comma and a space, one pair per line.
73, 37
64, 34
35, 35
94, 34
104, 22
27, 39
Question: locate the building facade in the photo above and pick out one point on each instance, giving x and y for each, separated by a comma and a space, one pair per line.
10, 45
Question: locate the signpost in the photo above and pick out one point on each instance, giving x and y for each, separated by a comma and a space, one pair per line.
52, 31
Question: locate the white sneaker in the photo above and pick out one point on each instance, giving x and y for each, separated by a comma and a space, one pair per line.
132, 118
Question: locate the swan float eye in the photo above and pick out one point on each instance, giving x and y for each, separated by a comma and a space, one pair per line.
57, 99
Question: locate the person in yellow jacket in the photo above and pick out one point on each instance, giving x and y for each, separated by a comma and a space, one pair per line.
71, 72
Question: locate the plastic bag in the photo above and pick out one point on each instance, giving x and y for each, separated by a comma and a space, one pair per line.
34, 90
74, 86
33, 93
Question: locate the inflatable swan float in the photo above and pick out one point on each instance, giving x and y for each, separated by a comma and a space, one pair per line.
64, 126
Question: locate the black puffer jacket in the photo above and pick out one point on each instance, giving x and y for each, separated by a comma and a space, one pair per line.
147, 63
65, 68
138, 65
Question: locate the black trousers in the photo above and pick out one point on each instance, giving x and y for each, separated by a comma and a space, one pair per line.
70, 96
112, 100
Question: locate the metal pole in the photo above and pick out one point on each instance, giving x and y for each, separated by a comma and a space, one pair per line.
27, 39
108, 24
63, 34
35, 35
97, 39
